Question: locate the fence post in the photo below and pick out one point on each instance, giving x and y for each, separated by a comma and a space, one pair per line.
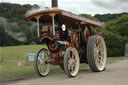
126, 50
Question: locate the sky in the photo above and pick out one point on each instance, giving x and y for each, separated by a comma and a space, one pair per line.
82, 6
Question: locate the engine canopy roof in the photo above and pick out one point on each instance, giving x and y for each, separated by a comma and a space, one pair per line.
63, 17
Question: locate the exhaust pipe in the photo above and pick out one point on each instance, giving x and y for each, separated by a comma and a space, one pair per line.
54, 3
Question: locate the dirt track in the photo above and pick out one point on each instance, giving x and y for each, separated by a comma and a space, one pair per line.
116, 74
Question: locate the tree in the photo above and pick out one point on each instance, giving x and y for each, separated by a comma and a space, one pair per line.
108, 17
116, 35
6, 39
89, 16
17, 28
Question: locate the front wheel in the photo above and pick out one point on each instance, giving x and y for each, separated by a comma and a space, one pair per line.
96, 53
41, 65
71, 62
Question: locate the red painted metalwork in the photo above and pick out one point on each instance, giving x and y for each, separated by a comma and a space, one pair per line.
87, 33
68, 45
51, 45
73, 23
62, 31
54, 55
97, 33
46, 37
75, 37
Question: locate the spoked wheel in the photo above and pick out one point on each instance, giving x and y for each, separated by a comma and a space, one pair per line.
41, 66
71, 62
96, 53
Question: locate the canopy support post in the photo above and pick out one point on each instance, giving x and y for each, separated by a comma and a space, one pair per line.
38, 25
38, 28
53, 22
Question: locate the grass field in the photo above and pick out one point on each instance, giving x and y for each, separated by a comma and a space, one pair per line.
15, 60
15, 63
18, 52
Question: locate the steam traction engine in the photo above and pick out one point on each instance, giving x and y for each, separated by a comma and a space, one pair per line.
70, 40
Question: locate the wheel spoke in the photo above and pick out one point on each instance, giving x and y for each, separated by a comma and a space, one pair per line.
97, 60
72, 68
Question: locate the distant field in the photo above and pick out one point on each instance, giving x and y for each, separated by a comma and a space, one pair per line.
14, 63
18, 52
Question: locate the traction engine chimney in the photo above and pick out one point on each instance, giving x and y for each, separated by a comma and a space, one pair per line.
54, 3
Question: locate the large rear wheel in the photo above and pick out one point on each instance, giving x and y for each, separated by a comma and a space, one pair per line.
71, 62
41, 65
96, 53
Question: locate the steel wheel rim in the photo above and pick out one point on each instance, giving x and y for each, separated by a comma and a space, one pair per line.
73, 62
43, 66
100, 53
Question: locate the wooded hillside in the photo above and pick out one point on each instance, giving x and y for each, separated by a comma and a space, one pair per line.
16, 30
